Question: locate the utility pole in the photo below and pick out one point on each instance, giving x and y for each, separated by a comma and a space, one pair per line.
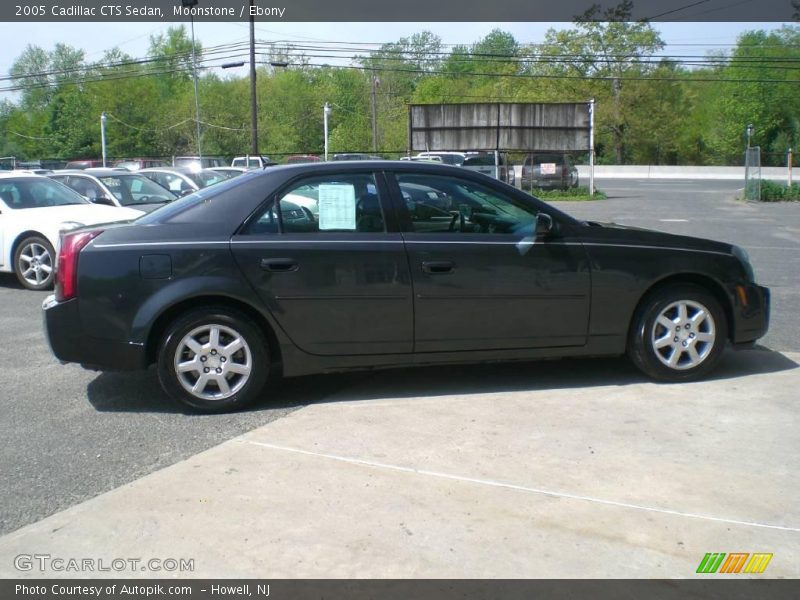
591, 147
326, 110
375, 83
253, 99
103, 135
196, 96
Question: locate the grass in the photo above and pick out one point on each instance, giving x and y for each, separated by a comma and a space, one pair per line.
772, 191
574, 195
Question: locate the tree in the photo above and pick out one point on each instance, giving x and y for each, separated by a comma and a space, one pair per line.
605, 45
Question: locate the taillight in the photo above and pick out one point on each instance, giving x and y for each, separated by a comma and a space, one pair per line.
70, 248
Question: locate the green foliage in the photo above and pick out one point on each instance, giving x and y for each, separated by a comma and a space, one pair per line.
576, 194
772, 191
648, 111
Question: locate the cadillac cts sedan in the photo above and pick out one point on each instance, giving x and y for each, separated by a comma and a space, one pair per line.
326, 267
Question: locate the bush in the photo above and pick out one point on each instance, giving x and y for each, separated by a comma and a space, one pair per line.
772, 191
580, 193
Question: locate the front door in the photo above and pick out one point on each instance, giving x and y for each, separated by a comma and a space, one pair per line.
481, 279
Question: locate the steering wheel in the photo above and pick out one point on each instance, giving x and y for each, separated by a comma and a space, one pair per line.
452, 226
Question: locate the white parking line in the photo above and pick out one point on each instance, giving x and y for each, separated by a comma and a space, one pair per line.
522, 488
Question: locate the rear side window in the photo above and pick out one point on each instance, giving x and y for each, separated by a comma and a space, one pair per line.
544, 158
320, 205
483, 160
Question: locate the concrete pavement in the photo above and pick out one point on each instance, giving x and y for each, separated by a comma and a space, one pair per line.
574, 468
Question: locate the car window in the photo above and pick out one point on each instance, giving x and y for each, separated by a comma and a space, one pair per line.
37, 193
437, 204
131, 190
329, 204
84, 186
172, 182
544, 158
483, 160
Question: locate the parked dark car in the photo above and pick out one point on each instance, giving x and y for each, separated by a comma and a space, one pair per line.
232, 286
344, 156
549, 171
84, 164
296, 159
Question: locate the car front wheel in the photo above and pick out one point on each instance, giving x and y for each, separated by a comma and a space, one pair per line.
34, 263
214, 360
678, 334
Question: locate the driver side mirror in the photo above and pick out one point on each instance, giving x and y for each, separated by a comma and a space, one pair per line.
544, 224
103, 200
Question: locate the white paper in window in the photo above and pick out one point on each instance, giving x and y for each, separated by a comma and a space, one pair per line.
337, 206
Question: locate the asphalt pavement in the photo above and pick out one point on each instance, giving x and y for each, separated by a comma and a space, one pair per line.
70, 434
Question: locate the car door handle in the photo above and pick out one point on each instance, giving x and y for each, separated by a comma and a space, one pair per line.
438, 267
279, 265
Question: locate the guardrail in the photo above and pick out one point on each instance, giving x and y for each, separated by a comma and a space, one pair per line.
678, 172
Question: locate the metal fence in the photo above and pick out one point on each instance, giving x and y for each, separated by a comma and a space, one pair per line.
752, 174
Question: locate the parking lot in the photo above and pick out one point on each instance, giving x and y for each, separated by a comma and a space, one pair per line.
567, 468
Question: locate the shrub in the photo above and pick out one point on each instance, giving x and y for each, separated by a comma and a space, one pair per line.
772, 191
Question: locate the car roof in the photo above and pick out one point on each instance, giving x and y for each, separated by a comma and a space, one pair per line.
95, 172
18, 175
179, 170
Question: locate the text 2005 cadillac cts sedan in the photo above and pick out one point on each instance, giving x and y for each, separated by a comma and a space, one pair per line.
327, 267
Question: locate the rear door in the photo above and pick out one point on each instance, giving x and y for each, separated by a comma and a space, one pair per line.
482, 281
327, 259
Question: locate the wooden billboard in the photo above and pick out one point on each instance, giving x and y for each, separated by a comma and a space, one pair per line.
527, 127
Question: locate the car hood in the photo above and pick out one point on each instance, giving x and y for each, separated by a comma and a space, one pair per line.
614, 233
87, 214
149, 207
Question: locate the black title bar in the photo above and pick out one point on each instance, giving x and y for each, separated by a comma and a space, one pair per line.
421, 11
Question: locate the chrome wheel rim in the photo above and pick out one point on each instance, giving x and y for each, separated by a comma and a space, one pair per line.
683, 335
213, 362
35, 263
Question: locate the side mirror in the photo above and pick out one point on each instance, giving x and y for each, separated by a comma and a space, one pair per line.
544, 223
103, 200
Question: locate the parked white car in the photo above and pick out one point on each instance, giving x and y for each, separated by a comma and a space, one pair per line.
33, 209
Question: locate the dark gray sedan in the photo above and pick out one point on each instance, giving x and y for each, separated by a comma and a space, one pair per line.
352, 265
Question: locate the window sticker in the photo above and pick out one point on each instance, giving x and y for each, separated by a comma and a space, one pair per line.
337, 206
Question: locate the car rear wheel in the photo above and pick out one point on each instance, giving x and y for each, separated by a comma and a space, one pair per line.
679, 334
34, 263
214, 360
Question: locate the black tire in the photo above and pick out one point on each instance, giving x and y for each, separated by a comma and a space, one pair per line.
32, 257
706, 337
254, 352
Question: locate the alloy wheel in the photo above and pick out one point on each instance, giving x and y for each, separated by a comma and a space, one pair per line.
35, 263
213, 362
683, 335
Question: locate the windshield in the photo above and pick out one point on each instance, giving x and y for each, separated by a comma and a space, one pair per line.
37, 192
206, 178
482, 160
131, 190
449, 159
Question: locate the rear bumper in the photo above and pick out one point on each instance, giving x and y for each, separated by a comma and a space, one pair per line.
62, 327
752, 311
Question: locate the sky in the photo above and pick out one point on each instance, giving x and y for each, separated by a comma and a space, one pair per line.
133, 38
